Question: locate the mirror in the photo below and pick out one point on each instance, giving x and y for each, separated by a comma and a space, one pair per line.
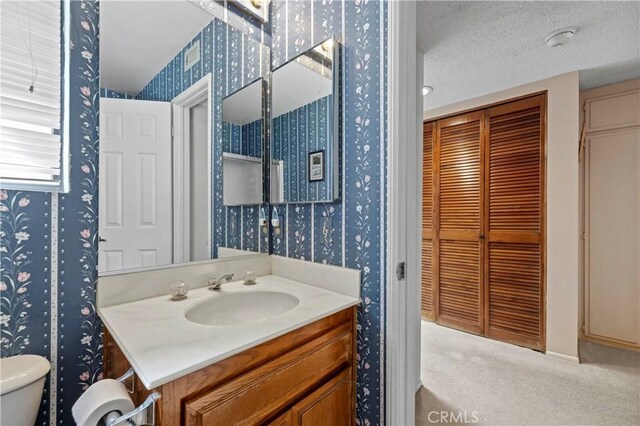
242, 135
177, 108
305, 154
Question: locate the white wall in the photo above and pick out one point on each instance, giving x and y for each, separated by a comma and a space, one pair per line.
562, 201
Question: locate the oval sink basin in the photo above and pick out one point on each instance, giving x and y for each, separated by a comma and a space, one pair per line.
241, 308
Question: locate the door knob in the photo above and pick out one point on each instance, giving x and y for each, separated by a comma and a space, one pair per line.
101, 240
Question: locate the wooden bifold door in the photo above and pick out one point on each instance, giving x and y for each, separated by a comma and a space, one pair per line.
483, 221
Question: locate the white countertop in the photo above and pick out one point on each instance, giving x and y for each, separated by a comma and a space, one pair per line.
162, 345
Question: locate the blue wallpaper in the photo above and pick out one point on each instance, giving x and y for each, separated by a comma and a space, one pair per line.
243, 140
350, 233
108, 93
294, 135
234, 59
48, 246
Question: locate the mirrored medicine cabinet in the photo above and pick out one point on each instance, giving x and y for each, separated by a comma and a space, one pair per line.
199, 137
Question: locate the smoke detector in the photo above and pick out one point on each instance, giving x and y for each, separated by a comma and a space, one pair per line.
560, 37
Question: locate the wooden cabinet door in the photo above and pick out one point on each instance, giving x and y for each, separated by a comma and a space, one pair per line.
514, 191
255, 397
458, 270
427, 220
330, 405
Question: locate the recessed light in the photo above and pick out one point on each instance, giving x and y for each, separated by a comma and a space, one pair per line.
426, 90
560, 37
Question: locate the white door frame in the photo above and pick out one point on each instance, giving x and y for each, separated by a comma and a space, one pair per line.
402, 296
181, 106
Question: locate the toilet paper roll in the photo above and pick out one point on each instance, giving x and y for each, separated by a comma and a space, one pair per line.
100, 399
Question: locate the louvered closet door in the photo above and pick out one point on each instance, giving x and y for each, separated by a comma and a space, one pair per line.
514, 188
427, 220
459, 205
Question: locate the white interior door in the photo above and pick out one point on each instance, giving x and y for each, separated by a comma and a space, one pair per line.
613, 236
135, 184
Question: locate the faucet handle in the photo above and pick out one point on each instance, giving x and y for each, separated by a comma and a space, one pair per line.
179, 290
212, 280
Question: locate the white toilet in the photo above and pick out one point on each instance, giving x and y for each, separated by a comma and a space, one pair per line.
21, 383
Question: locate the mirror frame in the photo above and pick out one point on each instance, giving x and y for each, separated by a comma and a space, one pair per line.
336, 74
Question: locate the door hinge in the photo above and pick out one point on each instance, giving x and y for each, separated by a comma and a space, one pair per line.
173, 131
400, 271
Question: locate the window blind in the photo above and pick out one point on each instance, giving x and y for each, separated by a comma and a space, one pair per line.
30, 91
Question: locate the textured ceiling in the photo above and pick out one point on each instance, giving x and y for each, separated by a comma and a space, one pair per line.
478, 47
138, 38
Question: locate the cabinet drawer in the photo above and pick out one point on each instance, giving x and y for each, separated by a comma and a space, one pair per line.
255, 397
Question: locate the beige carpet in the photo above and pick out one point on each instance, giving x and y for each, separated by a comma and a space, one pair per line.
469, 378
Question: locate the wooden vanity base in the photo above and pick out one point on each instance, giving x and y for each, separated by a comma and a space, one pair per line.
305, 377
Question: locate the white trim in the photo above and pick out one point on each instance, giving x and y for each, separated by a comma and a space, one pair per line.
414, 239
573, 359
65, 159
401, 160
382, 210
181, 106
53, 311
343, 141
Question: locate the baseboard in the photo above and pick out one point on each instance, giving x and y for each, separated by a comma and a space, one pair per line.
573, 359
612, 342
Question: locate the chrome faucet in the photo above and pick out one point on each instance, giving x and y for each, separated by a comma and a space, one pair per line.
216, 284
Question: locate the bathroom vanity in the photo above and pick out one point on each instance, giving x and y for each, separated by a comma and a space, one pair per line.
305, 377
279, 352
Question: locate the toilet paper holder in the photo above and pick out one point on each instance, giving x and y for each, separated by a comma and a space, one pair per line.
145, 414
128, 380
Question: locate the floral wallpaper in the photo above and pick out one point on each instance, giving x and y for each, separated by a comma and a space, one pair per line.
352, 232
48, 248
297, 133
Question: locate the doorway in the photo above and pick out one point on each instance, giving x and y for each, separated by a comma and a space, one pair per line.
192, 172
